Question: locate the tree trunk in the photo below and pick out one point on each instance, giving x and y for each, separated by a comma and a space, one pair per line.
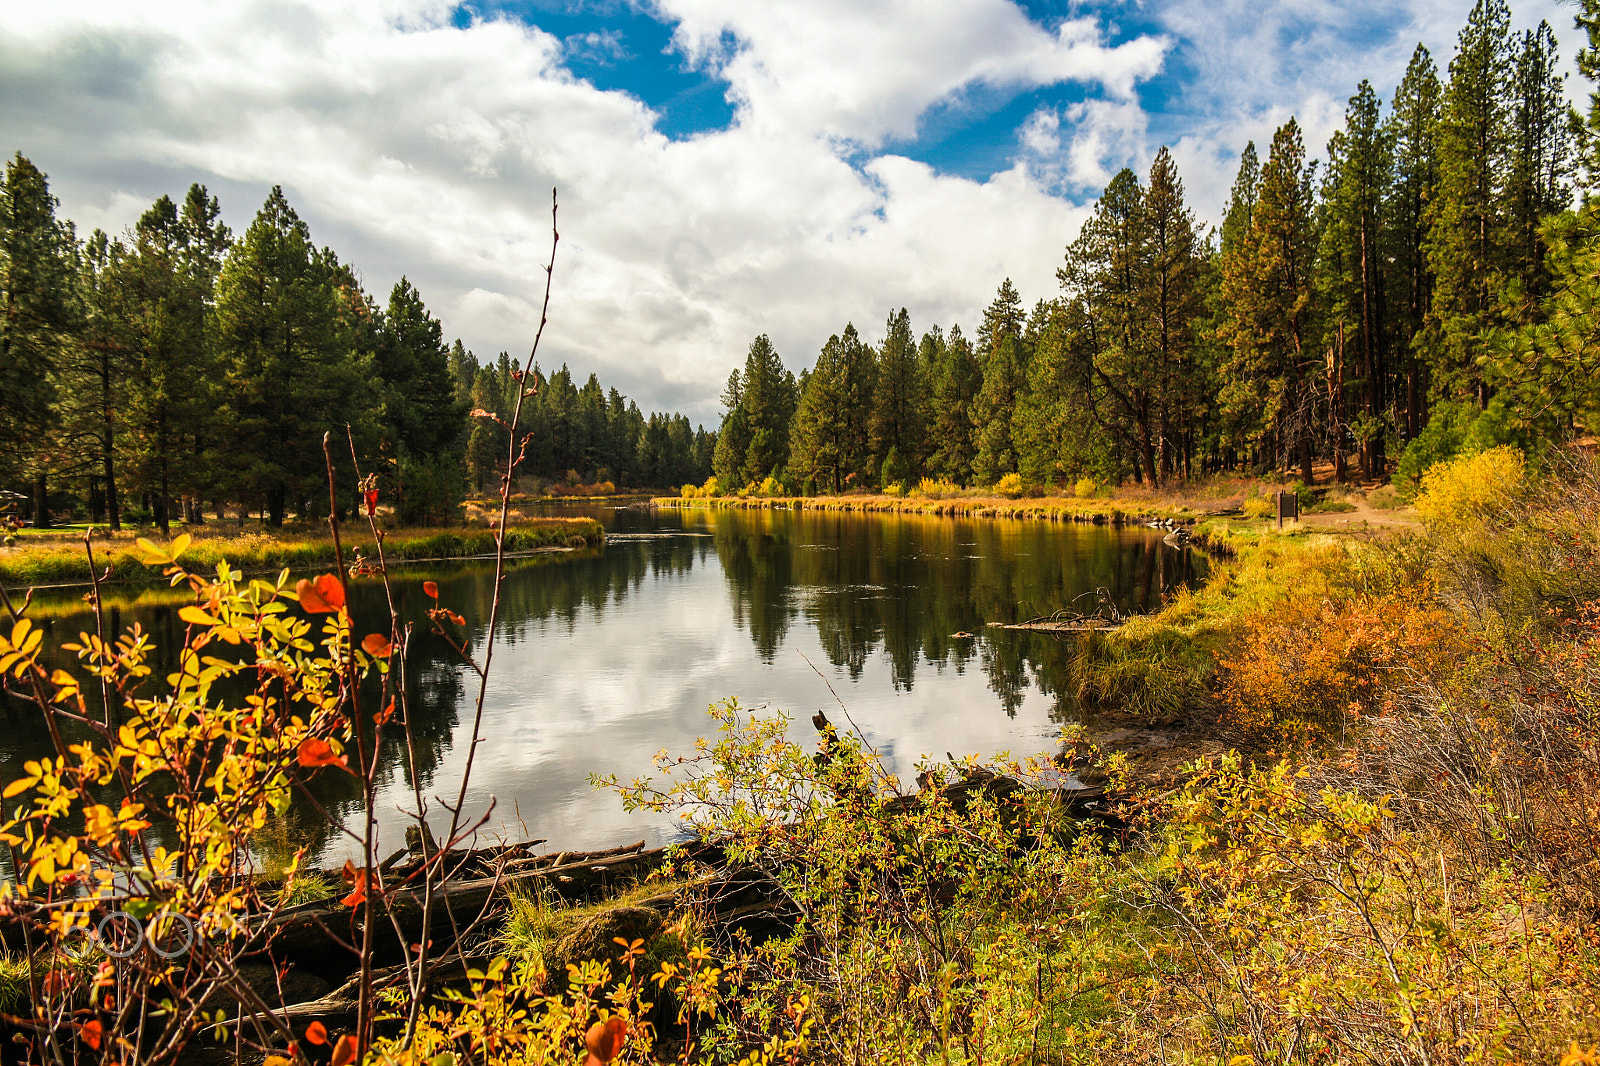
276, 499
108, 444
41, 502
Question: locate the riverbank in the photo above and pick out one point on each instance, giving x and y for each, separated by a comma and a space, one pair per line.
1357, 776
1049, 508
35, 563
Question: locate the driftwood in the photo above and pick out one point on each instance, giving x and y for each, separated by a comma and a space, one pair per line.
303, 932
1060, 625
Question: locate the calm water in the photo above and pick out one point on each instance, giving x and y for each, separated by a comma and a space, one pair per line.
609, 655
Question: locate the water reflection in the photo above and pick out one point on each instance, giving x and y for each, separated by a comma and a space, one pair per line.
609, 655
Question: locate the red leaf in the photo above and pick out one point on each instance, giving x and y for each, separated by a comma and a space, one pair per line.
456, 618
323, 596
91, 1032
314, 752
317, 1033
310, 599
384, 715
605, 1039
344, 1052
358, 895
331, 590
431, 589
377, 645
349, 872
371, 496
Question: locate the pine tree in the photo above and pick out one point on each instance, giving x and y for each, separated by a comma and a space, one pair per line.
39, 312
1242, 200
1539, 166
1413, 129
1352, 283
955, 390
767, 399
897, 400
1267, 311
1002, 318
423, 420
829, 442
593, 430
1170, 290
733, 439
994, 409
290, 375
1466, 220
159, 293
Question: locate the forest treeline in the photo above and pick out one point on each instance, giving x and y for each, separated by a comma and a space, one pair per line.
1429, 287
176, 370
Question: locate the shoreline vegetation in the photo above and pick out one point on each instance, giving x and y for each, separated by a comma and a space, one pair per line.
62, 562
1372, 774
1055, 509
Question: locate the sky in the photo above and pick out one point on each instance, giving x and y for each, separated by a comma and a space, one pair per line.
724, 168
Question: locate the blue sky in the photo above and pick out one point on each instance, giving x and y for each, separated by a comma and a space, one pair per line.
725, 168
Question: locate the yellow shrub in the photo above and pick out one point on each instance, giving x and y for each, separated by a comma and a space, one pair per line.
937, 489
1010, 485
710, 488
1461, 488
1257, 507
770, 486
689, 492
1085, 488
894, 488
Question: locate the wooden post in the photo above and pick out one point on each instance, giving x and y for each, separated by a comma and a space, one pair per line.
1288, 507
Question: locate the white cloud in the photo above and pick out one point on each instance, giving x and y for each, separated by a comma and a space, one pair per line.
868, 71
1248, 65
413, 145
416, 146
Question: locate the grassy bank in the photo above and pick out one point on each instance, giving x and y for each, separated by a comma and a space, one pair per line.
1050, 508
36, 562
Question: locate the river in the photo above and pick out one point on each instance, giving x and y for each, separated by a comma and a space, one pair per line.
606, 656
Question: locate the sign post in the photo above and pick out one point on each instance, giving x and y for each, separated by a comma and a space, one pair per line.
1288, 507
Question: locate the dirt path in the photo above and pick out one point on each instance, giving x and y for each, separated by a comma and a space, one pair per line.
1362, 518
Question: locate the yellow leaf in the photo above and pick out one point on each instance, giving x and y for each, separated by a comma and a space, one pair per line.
179, 543
197, 616
153, 554
19, 786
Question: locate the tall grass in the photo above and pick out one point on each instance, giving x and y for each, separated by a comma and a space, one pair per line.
1054, 509
32, 565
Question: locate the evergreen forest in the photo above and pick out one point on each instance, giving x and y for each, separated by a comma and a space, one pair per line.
179, 370
1426, 288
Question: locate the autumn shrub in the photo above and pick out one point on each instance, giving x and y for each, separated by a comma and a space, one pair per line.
1512, 549
170, 794
689, 492
1311, 923
1085, 488
1258, 507
916, 921
1009, 486
1313, 665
